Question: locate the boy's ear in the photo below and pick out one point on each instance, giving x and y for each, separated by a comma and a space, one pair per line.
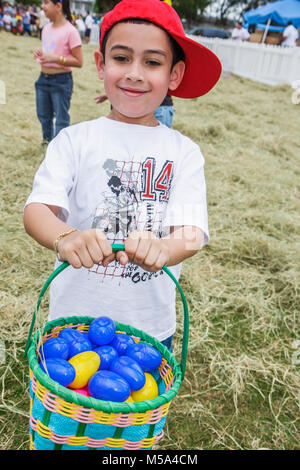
99, 60
177, 73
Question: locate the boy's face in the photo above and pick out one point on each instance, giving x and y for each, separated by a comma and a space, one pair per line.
137, 71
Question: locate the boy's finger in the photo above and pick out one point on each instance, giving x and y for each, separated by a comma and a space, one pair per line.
122, 257
160, 262
152, 255
142, 251
108, 259
85, 257
95, 251
131, 244
103, 243
74, 261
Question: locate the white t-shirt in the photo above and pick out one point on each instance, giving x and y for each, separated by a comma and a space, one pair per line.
240, 34
122, 177
7, 19
43, 19
291, 35
89, 22
80, 24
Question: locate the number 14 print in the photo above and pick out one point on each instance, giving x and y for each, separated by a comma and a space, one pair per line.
160, 185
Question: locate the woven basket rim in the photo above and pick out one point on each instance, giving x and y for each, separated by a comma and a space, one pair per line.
101, 405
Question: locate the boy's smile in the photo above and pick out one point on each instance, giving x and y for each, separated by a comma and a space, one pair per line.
137, 71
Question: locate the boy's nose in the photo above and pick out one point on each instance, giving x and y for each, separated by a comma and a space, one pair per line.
134, 73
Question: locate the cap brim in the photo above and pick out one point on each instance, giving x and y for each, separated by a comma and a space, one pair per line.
202, 69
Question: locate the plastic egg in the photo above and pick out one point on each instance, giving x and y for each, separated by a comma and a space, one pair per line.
107, 355
148, 392
59, 370
70, 334
102, 331
77, 347
129, 400
130, 370
55, 347
121, 342
107, 385
145, 355
85, 365
83, 391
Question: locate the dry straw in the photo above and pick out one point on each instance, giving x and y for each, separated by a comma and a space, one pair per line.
241, 389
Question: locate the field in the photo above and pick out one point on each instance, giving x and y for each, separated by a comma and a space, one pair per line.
241, 389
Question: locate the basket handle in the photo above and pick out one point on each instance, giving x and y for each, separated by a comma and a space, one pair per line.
120, 247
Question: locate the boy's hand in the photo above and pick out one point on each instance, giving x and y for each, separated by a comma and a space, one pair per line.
145, 250
86, 248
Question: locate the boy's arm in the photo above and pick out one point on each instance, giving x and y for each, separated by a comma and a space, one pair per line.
80, 248
183, 242
151, 253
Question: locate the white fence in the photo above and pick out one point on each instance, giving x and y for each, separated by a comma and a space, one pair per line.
263, 63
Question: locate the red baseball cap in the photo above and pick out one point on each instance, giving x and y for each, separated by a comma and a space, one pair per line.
202, 66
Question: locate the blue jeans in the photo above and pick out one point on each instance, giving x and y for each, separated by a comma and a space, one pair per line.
164, 114
168, 343
53, 98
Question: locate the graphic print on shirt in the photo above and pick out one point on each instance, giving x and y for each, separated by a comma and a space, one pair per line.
135, 198
49, 43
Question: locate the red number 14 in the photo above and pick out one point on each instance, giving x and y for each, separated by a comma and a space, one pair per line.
161, 183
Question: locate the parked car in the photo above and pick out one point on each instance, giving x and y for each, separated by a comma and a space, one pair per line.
210, 32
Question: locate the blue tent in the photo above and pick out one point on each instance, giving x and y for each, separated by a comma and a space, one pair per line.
281, 11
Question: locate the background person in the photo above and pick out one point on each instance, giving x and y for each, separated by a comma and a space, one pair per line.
60, 52
289, 36
239, 33
80, 26
88, 25
43, 20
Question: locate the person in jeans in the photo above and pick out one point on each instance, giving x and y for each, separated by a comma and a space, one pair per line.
61, 50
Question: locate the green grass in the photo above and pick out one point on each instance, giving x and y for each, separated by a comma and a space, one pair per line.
241, 389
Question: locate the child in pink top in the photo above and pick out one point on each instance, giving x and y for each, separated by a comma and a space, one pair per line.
61, 50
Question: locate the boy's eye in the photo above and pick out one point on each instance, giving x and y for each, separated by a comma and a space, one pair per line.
120, 58
153, 63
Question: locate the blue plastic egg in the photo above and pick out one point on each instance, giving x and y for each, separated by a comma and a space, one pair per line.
145, 355
55, 347
69, 334
107, 385
107, 355
121, 342
130, 370
59, 370
77, 347
102, 330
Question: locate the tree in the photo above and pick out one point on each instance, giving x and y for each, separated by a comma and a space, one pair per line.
102, 6
224, 7
189, 8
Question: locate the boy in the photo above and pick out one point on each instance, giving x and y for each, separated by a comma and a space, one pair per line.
127, 178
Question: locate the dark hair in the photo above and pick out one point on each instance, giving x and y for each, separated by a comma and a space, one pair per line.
65, 8
177, 51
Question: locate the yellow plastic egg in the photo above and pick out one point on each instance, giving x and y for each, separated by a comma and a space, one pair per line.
85, 365
129, 400
149, 390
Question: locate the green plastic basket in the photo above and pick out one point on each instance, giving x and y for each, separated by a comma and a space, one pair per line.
61, 419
